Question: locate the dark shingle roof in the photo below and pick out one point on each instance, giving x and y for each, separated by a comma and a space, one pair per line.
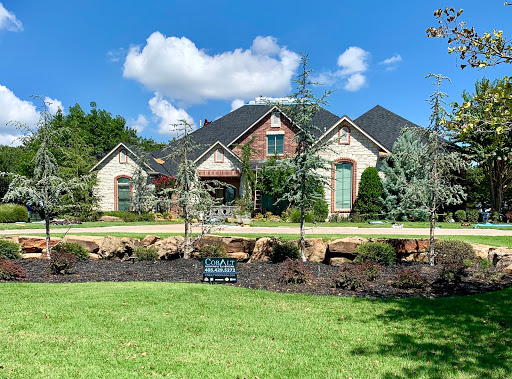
383, 125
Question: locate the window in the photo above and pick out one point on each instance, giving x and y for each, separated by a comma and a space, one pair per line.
343, 186
219, 156
275, 144
123, 158
123, 194
275, 120
344, 136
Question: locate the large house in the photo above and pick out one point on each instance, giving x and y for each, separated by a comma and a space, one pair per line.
354, 146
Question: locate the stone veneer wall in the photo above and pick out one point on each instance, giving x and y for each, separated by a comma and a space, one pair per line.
361, 150
208, 162
106, 173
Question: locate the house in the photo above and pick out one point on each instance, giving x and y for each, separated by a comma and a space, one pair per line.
354, 146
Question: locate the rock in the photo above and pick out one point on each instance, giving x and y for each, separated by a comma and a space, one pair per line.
94, 256
170, 248
508, 269
11, 238
339, 260
415, 257
149, 240
110, 219
35, 244
482, 251
407, 245
262, 250
31, 255
240, 257
91, 243
315, 250
346, 245
501, 257
117, 248
230, 244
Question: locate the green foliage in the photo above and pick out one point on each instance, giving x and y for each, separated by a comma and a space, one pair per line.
248, 177
128, 216
61, 263
213, 251
454, 252
13, 213
484, 264
294, 272
79, 251
11, 271
377, 252
146, 253
144, 196
274, 180
370, 192
10, 249
284, 250
460, 215
408, 278
452, 273
472, 215
356, 276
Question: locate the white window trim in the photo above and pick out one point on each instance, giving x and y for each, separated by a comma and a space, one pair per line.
275, 134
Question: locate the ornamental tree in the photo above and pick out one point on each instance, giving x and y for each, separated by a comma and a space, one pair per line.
369, 194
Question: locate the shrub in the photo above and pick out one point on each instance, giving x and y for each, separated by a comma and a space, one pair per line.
369, 194
452, 273
370, 270
448, 216
294, 272
408, 278
460, 215
494, 216
352, 277
508, 216
128, 216
472, 215
10, 250
11, 271
320, 210
357, 217
484, 264
80, 252
281, 251
454, 252
144, 253
377, 252
13, 213
61, 262
213, 251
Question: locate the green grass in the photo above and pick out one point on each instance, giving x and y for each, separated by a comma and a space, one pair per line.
122, 330
88, 224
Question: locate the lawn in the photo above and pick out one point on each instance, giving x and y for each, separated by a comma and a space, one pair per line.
120, 330
87, 224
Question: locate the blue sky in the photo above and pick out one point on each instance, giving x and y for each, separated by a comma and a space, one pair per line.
155, 62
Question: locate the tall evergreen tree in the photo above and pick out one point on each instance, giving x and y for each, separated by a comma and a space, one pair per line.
369, 194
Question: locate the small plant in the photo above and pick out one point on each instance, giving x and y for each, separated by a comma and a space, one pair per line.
13, 213
370, 270
349, 277
283, 250
408, 278
357, 217
472, 215
11, 271
10, 250
454, 252
79, 251
484, 264
213, 251
294, 272
452, 273
467, 263
61, 262
495, 216
508, 216
460, 215
377, 252
144, 253
448, 216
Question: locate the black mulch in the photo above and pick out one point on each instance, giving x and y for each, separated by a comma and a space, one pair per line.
265, 276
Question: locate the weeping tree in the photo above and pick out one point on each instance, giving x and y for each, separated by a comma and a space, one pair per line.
144, 197
248, 176
440, 161
192, 195
307, 162
46, 191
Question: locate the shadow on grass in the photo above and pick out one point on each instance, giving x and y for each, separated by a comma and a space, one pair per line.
465, 336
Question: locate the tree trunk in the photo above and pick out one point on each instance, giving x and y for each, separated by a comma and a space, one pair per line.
302, 235
431, 248
186, 248
48, 244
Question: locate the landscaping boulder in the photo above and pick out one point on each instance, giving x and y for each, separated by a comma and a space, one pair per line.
110, 218
415, 257
482, 251
31, 255
501, 257
407, 245
508, 269
346, 245
91, 243
36, 244
335, 261
262, 250
315, 250
240, 257
230, 244
149, 240
118, 248
170, 248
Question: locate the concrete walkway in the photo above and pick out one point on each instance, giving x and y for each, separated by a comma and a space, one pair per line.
270, 231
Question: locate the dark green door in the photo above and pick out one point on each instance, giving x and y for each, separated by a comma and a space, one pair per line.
123, 194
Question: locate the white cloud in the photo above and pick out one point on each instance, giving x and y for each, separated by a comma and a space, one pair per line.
353, 60
394, 59
139, 124
53, 105
116, 55
176, 68
237, 103
355, 82
168, 115
14, 109
9, 21
10, 139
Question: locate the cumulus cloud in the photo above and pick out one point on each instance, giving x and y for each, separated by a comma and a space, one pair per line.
139, 124
391, 63
353, 60
13, 109
53, 105
9, 21
176, 68
237, 103
355, 82
168, 115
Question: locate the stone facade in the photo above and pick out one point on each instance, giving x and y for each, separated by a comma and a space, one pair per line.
209, 163
108, 172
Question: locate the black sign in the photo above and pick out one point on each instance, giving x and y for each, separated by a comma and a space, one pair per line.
219, 270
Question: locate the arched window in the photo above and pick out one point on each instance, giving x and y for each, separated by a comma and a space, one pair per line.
123, 156
344, 135
343, 186
219, 156
123, 194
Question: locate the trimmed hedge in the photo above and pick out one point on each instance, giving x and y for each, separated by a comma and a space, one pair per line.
454, 252
13, 213
377, 252
10, 249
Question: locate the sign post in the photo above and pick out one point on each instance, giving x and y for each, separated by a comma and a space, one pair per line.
219, 270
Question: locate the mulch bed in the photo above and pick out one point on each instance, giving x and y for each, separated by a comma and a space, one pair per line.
265, 276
